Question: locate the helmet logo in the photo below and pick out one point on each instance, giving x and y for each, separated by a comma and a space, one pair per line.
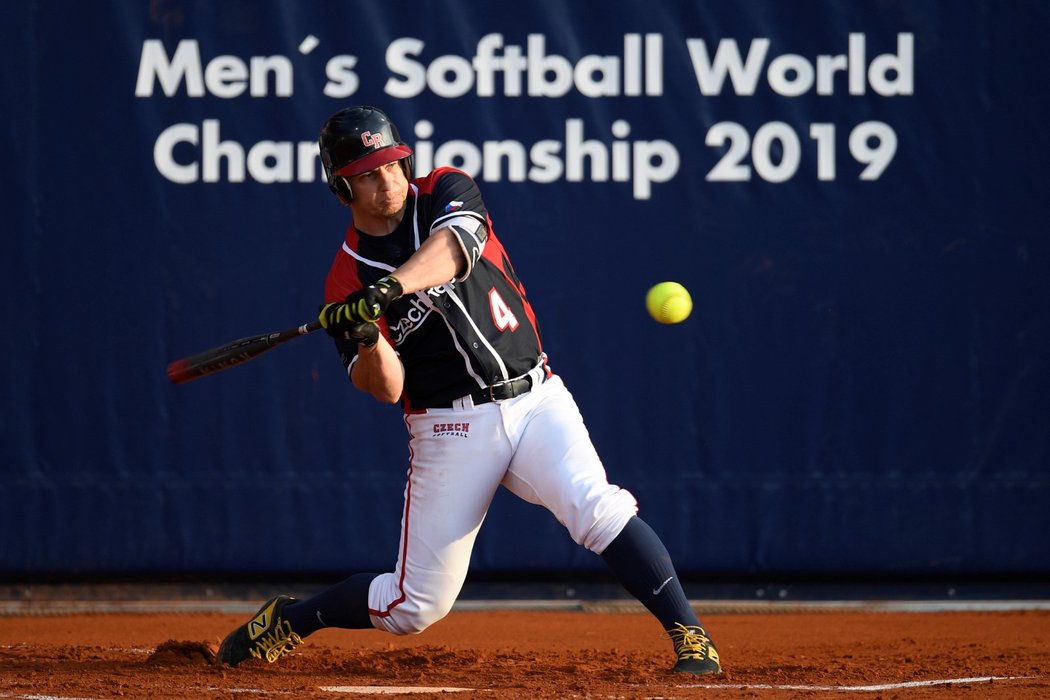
373, 140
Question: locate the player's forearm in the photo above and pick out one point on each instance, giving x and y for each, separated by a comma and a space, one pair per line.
378, 371
437, 261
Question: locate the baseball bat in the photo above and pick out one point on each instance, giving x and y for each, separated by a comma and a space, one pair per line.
220, 358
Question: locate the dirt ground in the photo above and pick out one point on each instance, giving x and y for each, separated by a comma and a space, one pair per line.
539, 654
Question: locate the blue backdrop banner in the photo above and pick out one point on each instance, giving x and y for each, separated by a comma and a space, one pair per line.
849, 191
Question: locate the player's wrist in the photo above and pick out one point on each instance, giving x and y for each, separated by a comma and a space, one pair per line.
366, 348
390, 287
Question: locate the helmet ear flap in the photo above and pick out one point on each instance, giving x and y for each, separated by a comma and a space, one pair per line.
341, 189
408, 164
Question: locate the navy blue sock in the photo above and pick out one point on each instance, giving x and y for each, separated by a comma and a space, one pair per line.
343, 605
640, 561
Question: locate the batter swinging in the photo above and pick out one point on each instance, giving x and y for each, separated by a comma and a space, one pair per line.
426, 309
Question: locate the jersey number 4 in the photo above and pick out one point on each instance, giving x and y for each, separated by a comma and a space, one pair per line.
502, 316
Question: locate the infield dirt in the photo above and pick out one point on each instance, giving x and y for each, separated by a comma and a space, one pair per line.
540, 654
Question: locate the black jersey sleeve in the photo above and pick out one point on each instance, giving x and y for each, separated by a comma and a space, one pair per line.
454, 202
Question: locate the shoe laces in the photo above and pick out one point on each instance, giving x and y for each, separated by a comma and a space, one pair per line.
690, 642
276, 642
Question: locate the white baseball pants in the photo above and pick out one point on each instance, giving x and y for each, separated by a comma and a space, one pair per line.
537, 446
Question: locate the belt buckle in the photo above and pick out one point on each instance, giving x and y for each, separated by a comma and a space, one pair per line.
507, 383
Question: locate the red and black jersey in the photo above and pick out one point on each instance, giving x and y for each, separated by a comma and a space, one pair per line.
456, 338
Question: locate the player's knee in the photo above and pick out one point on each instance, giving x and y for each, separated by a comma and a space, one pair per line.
608, 521
413, 619
412, 624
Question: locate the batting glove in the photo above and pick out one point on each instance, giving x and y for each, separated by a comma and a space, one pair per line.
338, 323
370, 303
366, 334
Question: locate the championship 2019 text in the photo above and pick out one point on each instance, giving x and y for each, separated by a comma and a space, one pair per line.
621, 152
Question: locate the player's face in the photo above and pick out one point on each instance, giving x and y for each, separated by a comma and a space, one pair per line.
381, 192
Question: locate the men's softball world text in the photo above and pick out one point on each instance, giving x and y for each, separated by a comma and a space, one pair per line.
618, 152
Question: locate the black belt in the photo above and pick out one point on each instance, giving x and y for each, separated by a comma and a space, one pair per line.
503, 391
496, 392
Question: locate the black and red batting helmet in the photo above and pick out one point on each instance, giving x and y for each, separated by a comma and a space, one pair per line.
358, 139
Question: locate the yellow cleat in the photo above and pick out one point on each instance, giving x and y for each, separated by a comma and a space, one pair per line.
265, 636
696, 652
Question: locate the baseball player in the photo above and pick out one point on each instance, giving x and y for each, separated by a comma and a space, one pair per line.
426, 309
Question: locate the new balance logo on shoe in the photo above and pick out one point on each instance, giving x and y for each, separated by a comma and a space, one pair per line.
261, 621
265, 636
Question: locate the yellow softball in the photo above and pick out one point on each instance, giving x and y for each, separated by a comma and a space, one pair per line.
669, 302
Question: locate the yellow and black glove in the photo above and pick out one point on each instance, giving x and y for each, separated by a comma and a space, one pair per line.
337, 322
370, 303
355, 318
